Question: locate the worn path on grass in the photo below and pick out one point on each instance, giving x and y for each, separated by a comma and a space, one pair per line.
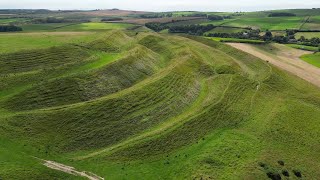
71, 170
287, 59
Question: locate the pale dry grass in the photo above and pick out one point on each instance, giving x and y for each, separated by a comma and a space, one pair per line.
285, 58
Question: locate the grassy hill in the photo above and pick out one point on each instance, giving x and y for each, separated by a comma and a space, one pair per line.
144, 105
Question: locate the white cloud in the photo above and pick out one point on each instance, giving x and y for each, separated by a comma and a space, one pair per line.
162, 5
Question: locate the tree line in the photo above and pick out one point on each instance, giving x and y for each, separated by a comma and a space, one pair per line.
9, 28
281, 14
191, 29
111, 19
251, 34
156, 26
156, 15
211, 17
56, 20
215, 17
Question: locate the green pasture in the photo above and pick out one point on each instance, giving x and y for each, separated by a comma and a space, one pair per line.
11, 20
225, 30
236, 40
303, 47
13, 42
313, 59
74, 27
95, 26
308, 35
312, 24
270, 23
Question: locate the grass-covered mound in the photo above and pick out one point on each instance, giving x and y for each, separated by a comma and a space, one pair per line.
156, 106
40, 59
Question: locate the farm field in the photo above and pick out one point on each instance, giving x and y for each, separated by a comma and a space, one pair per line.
286, 58
313, 59
313, 23
225, 30
11, 20
129, 100
95, 26
236, 40
275, 33
301, 12
13, 42
74, 27
43, 27
218, 22
302, 47
308, 35
188, 22
270, 23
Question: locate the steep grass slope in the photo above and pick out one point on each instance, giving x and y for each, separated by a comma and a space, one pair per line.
152, 106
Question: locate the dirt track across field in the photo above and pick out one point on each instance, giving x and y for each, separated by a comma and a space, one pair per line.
287, 59
71, 170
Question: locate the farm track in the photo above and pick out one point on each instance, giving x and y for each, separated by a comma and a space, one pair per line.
286, 60
306, 19
71, 170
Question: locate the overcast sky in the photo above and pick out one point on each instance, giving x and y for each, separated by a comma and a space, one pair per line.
162, 5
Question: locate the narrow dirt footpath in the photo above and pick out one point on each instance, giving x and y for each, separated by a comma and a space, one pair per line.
71, 170
286, 59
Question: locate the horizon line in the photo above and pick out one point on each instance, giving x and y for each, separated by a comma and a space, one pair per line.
152, 11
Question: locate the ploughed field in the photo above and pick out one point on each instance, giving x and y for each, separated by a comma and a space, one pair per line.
126, 105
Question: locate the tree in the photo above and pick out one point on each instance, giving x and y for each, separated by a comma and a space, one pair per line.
280, 39
291, 33
215, 17
191, 29
156, 26
9, 28
281, 14
302, 38
268, 36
